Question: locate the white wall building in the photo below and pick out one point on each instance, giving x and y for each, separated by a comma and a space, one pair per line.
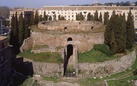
69, 12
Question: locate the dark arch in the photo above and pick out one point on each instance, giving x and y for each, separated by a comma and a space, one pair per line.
69, 51
67, 57
69, 39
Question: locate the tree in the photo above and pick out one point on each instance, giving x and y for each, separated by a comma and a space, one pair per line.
16, 25
61, 18
50, 18
14, 40
27, 28
36, 18
31, 19
100, 17
21, 29
12, 31
130, 32
115, 36
45, 17
89, 17
79, 16
96, 16
106, 17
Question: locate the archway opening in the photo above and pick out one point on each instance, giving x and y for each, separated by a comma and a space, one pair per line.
69, 51
67, 56
69, 39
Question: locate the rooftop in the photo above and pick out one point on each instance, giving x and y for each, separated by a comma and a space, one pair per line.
2, 38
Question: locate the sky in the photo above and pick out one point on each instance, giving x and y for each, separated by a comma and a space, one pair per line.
41, 3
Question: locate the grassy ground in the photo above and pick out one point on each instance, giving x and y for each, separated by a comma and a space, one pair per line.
121, 79
99, 53
54, 79
51, 57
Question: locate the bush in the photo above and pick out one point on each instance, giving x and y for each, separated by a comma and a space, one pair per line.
103, 48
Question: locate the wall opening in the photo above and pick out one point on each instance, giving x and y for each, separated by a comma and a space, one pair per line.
67, 56
65, 28
92, 28
69, 39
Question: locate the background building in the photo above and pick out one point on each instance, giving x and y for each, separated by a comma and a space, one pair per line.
70, 12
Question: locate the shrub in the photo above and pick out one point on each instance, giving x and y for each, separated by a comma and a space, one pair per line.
103, 48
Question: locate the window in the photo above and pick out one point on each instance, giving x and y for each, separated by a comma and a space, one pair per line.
69, 39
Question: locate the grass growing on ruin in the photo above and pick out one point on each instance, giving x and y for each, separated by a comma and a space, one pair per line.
51, 78
99, 53
50, 57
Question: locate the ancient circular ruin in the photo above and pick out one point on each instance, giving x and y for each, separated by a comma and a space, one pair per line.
68, 38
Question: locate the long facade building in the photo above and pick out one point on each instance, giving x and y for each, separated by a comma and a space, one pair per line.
70, 12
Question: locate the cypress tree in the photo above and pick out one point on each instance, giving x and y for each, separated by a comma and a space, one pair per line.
45, 17
130, 32
106, 17
89, 17
36, 18
61, 18
115, 35
79, 16
120, 33
12, 31
21, 29
16, 25
50, 18
27, 29
31, 19
96, 16
100, 17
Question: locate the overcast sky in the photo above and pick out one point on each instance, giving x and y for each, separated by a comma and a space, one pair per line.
41, 3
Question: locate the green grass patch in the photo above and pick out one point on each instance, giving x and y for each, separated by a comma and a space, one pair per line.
120, 83
99, 53
51, 57
91, 82
36, 47
123, 82
51, 78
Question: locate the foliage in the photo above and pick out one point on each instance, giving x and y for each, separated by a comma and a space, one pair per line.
50, 18
96, 16
55, 79
130, 32
106, 17
61, 17
43, 57
31, 19
89, 17
100, 17
40, 46
45, 17
21, 29
36, 18
103, 48
4, 11
79, 16
96, 54
115, 36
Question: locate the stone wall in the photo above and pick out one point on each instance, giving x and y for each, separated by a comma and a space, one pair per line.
70, 26
99, 69
27, 44
43, 68
83, 42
